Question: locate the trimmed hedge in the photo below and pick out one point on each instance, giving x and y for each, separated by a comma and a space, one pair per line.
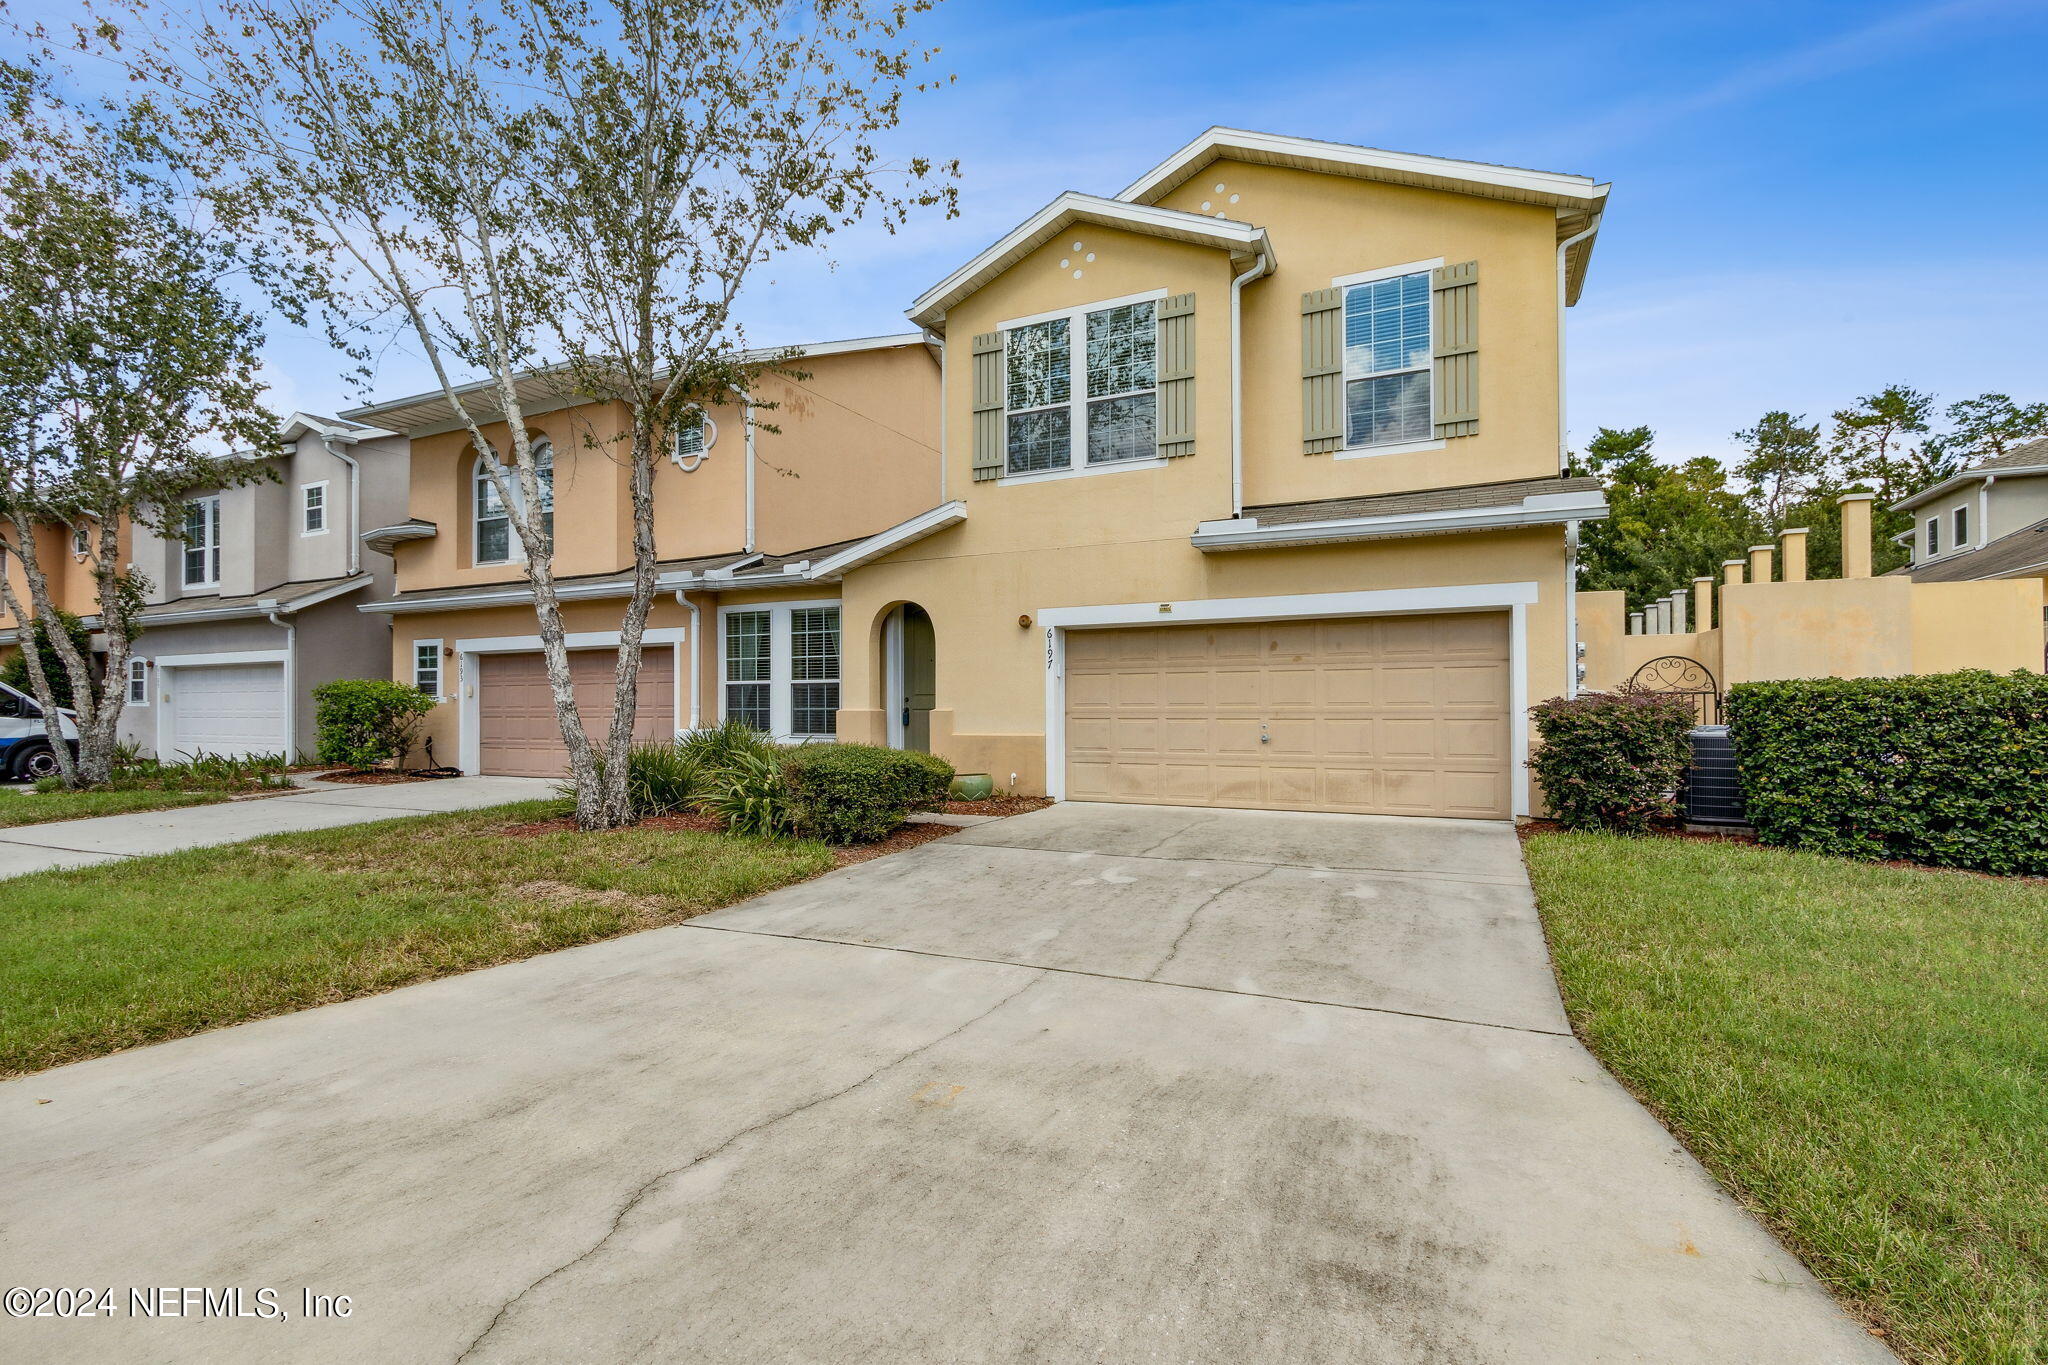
364, 721
1612, 760
857, 793
1949, 769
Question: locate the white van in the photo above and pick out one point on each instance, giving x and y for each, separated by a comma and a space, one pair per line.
24, 744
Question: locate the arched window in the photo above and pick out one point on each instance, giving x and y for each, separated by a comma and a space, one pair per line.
495, 543
694, 439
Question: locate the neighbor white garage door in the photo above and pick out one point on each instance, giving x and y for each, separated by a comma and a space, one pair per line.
224, 709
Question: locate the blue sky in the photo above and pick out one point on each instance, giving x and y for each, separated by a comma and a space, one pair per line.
1810, 200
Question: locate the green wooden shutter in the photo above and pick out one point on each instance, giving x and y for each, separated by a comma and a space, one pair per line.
1454, 292
1322, 371
1177, 376
988, 406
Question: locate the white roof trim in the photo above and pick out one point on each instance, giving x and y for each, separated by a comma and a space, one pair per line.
1967, 477
385, 537
1240, 239
1370, 162
262, 606
847, 347
895, 538
1547, 509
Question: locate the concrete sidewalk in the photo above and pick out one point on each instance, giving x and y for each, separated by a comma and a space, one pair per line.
112, 838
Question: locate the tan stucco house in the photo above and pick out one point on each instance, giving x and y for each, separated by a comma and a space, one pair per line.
1240, 487
758, 508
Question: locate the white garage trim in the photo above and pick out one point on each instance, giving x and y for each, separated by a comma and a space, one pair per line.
1514, 598
166, 739
469, 745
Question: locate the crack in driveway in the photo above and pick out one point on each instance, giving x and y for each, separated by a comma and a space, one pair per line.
1173, 950
639, 1195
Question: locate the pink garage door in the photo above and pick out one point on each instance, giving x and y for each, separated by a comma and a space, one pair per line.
518, 735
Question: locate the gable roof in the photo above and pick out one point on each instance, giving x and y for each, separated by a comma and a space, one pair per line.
2031, 458
1577, 199
1243, 241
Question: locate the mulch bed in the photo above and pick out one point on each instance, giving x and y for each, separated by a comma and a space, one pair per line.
379, 777
997, 805
907, 836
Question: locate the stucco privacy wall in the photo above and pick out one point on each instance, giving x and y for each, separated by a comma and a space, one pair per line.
991, 675
1839, 628
1325, 227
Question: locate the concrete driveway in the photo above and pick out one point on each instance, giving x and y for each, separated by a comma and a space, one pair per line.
1100, 1082
112, 838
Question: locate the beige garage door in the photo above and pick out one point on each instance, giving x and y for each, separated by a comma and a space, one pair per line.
1388, 715
517, 732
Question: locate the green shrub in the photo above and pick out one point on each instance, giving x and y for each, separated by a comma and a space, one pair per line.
1949, 769
857, 793
15, 671
364, 721
1612, 760
716, 746
661, 778
750, 795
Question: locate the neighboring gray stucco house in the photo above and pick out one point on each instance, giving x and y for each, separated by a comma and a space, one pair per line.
257, 606
1990, 521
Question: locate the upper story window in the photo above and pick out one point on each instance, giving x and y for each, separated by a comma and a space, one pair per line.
202, 542
694, 439
81, 541
1052, 423
1933, 536
313, 508
1387, 361
495, 543
1962, 527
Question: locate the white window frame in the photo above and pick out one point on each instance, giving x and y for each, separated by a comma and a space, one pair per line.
138, 682
708, 430
1432, 442
515, 552
1077, 394
1961, 527
81, 542
780, 682
209, 549
440, 670
1933, 537
306, 491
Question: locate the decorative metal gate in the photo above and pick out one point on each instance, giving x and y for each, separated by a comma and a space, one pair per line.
1676, 675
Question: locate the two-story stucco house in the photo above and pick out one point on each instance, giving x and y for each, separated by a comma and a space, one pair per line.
1238, 488
1257, 502
757, 509
1990, 521
256, 604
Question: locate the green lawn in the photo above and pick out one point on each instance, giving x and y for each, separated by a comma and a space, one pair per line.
108, 957
41, 808
1859, 1052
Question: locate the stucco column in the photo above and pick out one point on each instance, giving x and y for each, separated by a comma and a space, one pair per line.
1703, 603
1635, 623
1760, 563
1678, 611
1855, 533
1731, 577
1792, 553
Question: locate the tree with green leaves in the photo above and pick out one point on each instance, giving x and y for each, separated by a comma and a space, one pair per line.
127, 371
1881, 443
1666, 524
1783, 462
566, 196
15, 672
1987, 426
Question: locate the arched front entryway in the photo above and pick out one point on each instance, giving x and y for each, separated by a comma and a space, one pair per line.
909, 676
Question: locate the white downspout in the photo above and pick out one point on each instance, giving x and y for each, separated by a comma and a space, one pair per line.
1263, 265
1571, 609
1983, 536
696, 662
1563, 438
355, 505
749, 546
291, 685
